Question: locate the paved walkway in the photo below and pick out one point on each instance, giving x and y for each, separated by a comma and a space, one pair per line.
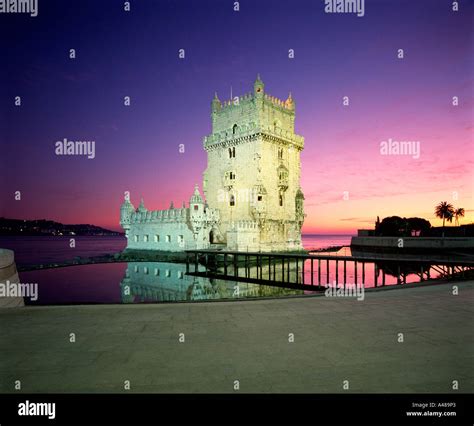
334, 340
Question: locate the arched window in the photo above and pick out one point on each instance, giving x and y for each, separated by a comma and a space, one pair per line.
234, 129
232, 200
281, 200
230, 153
233, 151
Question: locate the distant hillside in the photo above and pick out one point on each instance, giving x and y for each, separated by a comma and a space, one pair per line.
48, 227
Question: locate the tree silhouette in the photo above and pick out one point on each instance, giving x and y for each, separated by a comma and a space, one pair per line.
444, 211
457, 214
395, 226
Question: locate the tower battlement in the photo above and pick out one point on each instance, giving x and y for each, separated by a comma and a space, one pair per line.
157, 216
252, 109
244, 224
237, 102
285, 104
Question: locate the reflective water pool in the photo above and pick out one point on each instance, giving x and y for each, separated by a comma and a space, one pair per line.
138, 282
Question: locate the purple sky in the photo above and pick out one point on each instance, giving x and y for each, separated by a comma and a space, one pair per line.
136, 54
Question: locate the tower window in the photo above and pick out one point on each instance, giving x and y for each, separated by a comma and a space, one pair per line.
196, 207
234, 129
233, 152
229, 175
280, 153
259, 198
232, 200
145, 238
281, 200
168, 238
157, 238
136, 238
230, 153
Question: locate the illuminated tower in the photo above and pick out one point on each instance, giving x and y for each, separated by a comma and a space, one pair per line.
253, 171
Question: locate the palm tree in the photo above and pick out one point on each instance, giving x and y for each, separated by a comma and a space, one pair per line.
444, 211
457, 214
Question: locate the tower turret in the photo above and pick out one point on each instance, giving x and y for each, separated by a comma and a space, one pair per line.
299, 207
290, 103
215, 108
216, 103
258, 87
141, 207
126, 210
196, 209
196, 198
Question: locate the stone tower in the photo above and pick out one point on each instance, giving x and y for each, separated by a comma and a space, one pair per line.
253, 171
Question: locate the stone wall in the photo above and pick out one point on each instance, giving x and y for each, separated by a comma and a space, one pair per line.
169, 236
9, 273
414, 242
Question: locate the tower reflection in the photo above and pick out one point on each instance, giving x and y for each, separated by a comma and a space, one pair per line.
147, 282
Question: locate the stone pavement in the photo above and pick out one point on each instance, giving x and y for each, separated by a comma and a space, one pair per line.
334, 340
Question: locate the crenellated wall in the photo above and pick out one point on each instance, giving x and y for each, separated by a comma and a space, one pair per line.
173, 229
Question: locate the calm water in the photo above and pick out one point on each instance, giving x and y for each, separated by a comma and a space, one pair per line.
137, 282
142, 282
316, 242
35, 250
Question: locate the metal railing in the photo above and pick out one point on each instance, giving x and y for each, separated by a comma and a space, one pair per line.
313, 271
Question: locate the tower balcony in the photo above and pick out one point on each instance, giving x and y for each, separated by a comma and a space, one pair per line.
250, 130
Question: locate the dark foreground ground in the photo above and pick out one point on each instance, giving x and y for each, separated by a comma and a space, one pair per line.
335, 340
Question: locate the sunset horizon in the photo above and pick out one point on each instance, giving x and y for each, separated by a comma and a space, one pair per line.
344, 112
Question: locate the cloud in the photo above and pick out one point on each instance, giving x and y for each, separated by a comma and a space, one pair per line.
357, 219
